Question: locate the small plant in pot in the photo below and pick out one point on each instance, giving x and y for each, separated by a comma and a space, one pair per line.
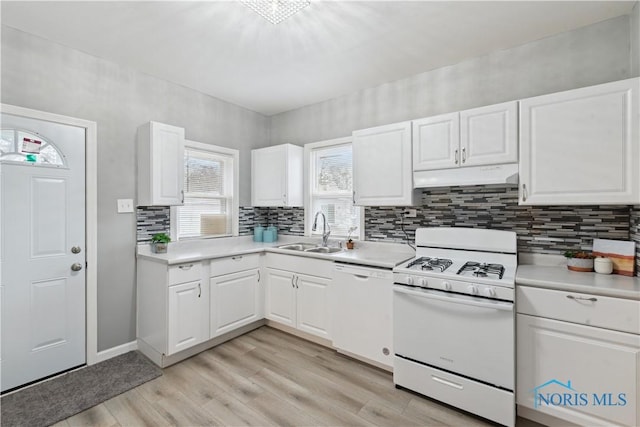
350, 242
159, 243
579, 260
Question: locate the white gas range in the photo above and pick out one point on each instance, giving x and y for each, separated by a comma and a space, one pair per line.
454, 320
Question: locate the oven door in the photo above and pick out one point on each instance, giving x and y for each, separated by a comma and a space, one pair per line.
462, 334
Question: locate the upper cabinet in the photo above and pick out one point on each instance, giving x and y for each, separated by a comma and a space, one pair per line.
160, 165
581, 146
276, 176
476, 137
382, 174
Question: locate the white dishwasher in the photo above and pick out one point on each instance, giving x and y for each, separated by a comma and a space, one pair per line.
362, 323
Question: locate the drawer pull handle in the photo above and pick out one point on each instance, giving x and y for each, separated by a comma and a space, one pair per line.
258, 276
236, 258
199, 290
592, 299
446, 382
185, 267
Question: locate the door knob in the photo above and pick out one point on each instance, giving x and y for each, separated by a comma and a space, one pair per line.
76, 266
76, 250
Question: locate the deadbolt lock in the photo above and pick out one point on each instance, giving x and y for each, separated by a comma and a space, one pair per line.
76, 250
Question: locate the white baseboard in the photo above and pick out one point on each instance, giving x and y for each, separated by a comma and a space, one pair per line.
116, 351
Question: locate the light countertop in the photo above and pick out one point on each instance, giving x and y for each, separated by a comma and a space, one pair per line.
375, 254
552, 273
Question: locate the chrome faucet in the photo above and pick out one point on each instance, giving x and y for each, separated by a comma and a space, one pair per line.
326, 230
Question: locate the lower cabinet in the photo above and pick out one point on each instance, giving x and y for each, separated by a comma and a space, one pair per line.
577, 373
187, 319
298, 300
235, 300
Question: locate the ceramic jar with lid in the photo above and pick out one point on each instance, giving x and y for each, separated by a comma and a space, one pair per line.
603, 265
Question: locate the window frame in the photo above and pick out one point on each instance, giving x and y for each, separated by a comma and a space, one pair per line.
234, 206
308, 185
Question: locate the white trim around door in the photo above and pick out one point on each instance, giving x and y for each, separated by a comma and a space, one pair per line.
91, 210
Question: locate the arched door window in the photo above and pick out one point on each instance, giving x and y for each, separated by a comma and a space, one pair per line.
21, 146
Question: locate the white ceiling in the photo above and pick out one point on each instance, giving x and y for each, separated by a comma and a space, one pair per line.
329, 49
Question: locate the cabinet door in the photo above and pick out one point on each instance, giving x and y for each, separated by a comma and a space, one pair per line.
382, 171
281, 297
268, 180
160, 165
581, 146
598, 368
313, 306
489, 135
234, 301
436, 142
188, 319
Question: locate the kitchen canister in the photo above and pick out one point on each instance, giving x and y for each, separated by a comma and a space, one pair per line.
603, 265
270, 234
258, 233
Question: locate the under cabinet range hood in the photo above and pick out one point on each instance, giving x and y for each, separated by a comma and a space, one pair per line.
476, 175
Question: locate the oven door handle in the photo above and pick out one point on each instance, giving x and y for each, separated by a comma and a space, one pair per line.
505, 306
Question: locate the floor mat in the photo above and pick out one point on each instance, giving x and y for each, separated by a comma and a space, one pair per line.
52, 401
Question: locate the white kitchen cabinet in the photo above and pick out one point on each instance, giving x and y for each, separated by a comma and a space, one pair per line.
160, 165
561, 348
187, 318
277, 176
474, 137
382, 171
235, 301
436, 142
281, 297
172, 307
298, 293
581, 146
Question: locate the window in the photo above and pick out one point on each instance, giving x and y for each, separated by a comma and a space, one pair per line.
210, 192
331, 188
26, 147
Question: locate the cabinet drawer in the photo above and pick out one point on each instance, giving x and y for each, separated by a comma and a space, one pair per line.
302, 264
234, 264
594, 310
182, 273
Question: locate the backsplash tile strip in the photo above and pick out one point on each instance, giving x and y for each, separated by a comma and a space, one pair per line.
540, 229
634, 233
151, 220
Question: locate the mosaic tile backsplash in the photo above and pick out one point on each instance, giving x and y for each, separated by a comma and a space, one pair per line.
540, 229
151, 220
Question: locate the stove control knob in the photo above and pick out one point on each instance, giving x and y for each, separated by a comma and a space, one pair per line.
446, 286
490, 292
424, 283
409, 280
472, 289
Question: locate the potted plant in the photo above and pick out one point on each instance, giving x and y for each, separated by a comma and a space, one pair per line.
350, 241
579, 260
159, 243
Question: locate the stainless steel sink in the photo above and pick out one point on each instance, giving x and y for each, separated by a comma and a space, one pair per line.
324, 250
298, 246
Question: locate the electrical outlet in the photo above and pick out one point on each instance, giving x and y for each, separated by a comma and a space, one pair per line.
125, 205
410, 213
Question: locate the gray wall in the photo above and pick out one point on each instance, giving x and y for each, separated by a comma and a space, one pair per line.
39, 74
591, 55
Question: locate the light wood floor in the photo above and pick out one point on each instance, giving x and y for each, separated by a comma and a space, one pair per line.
270, 378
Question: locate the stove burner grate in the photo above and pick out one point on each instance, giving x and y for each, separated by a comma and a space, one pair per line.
482, 269
430, 264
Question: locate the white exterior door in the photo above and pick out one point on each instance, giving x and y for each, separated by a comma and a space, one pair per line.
43, 249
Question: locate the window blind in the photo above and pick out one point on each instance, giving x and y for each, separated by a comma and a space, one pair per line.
207, 195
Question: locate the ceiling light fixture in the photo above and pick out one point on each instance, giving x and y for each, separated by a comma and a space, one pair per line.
276, 11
